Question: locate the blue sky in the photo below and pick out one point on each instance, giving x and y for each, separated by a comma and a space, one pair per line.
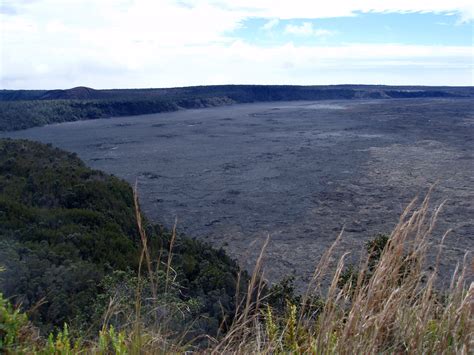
410, 28
165, 43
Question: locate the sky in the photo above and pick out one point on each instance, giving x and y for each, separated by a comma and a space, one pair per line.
57, 44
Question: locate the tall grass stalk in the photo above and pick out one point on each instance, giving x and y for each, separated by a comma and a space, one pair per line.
390, 307
394, 308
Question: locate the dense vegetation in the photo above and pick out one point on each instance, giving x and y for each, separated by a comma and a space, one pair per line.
69, 243
20, 109
16, 115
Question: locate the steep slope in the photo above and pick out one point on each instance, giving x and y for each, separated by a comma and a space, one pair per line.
64, 227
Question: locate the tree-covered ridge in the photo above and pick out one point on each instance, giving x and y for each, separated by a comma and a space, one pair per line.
15, 115
20, 109
68, 235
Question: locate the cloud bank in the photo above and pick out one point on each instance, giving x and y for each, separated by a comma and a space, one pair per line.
162, 43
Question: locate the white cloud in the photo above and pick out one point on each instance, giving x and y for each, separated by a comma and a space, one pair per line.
241, 63
271, 24
153, 43
298, 9
306, 29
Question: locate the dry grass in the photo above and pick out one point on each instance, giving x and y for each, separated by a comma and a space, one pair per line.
391, 309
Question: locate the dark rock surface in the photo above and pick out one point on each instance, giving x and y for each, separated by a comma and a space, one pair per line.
298, 171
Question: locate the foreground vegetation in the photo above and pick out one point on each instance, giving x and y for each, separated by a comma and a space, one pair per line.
172, 294
389, 304
69, 242
390, 308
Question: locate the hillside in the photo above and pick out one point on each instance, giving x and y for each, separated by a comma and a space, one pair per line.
20, 109
69, 241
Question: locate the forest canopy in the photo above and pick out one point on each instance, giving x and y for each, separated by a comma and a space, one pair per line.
69, 240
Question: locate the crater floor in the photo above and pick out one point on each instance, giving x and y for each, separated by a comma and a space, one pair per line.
298, 171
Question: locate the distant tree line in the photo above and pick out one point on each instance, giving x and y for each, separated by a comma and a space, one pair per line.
20, 109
